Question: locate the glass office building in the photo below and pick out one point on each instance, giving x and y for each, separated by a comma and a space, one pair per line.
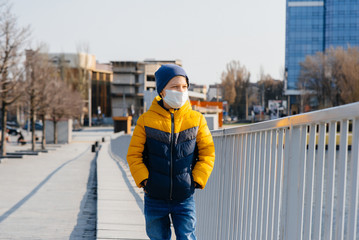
342, 23
313, 26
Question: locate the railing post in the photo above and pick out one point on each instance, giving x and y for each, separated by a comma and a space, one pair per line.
342, 179
309, 185
279, 199
263, 187
256, 180
242, 196
318, 219
354, 195
246, 208
329, 198
237, 185
292, 208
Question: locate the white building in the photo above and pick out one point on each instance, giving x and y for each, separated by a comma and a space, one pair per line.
214, 92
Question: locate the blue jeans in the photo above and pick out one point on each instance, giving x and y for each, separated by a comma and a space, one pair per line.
157, 215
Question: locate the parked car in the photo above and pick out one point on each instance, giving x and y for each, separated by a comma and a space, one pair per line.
12, 130
12, 124
38, 126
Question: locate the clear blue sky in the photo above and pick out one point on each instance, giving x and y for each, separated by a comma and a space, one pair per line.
204, 34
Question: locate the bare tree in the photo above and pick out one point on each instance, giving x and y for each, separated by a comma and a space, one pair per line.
12, 39
46, 97
65, 103
269, 89
228, 85
312, 78
330, 78
346, 73
33, 87
40, 73
235, 83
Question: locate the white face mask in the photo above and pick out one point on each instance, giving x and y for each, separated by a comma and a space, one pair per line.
175, 99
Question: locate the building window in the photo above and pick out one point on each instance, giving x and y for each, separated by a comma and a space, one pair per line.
341, 12
151, 78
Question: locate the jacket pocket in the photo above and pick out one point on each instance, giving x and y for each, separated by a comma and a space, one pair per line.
158, 185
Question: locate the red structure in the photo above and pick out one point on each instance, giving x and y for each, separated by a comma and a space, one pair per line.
210, 108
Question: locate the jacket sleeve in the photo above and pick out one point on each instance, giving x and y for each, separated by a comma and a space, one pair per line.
138, 169
206, 154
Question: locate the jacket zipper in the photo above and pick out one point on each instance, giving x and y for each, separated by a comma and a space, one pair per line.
171, 162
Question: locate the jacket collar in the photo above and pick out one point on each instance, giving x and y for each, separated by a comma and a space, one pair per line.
155, 107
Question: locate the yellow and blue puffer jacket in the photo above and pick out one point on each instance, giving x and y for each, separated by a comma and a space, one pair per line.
171, 149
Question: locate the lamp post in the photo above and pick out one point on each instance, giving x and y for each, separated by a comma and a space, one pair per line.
89, 98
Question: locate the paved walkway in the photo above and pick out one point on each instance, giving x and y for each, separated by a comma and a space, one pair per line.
120, 201
51, 195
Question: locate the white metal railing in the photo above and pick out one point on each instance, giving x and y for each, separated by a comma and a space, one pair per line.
290, 178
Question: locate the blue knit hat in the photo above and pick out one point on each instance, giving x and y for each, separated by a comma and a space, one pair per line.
165, 73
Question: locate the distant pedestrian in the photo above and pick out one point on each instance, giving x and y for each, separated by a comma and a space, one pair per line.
170, 154
7, 137
20, 139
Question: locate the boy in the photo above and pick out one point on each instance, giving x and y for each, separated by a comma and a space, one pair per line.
170, 154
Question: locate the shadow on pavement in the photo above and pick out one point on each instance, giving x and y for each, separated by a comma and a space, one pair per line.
118, 147
34, 191
87, 217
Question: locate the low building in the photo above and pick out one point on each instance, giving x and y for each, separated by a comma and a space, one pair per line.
197, 88
92, 79
130, 81
101, 90
214, 93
